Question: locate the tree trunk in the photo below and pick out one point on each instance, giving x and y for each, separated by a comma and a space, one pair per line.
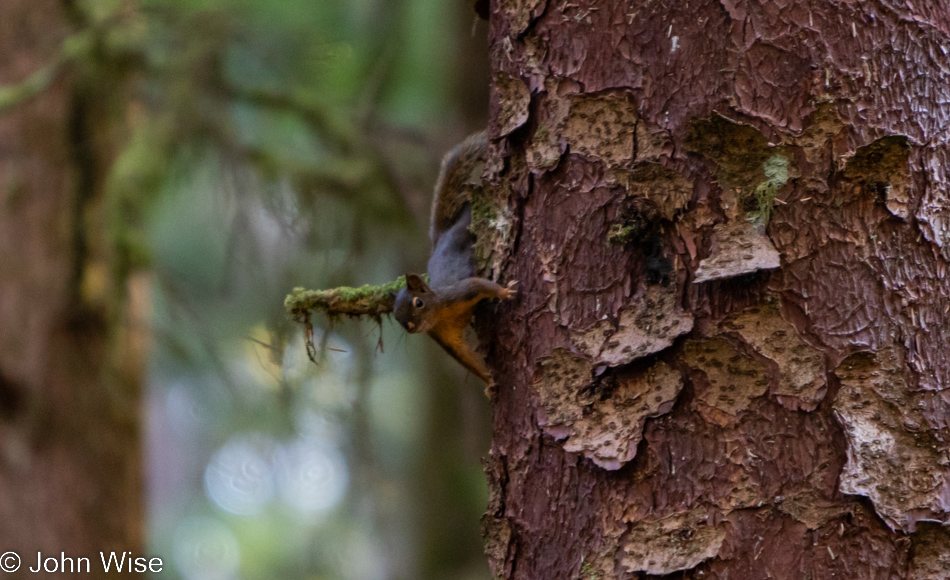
70, 465
729, 224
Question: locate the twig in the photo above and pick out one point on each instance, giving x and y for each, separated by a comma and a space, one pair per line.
371, 301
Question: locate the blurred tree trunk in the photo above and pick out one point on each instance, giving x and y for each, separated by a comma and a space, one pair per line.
729, 224
70, 464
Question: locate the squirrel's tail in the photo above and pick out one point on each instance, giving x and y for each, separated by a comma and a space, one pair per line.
461, 172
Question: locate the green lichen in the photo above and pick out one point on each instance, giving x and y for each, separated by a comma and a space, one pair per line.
483, 212
483, 215
636, 221
588, 572
620, 234
763, 196
491, 226
542, 133
744, 162
776, 169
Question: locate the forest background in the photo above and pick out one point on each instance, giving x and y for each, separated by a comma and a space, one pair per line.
216, 154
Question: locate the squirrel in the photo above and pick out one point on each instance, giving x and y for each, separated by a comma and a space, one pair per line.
444, 307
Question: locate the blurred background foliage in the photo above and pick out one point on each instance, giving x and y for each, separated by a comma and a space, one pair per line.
274, 144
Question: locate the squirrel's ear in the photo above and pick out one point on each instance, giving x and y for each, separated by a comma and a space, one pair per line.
415, 283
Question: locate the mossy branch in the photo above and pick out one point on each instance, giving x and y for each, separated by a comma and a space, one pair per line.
31, 86
73, 47
371, 301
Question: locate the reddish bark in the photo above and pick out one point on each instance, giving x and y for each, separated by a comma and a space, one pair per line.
70, 472
729, 224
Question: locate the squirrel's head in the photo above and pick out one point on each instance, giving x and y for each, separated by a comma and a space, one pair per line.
413, 304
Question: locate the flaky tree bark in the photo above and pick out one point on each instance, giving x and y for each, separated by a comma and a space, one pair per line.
729, 222
70, 470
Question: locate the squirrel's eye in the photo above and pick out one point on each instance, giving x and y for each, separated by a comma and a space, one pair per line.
417, 302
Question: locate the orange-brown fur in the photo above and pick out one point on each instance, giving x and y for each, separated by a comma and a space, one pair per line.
444, 311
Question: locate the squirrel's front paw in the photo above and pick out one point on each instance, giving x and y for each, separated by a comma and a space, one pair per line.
508, 292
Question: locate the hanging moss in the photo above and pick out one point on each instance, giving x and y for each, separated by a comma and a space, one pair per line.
744, 162
763, 196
